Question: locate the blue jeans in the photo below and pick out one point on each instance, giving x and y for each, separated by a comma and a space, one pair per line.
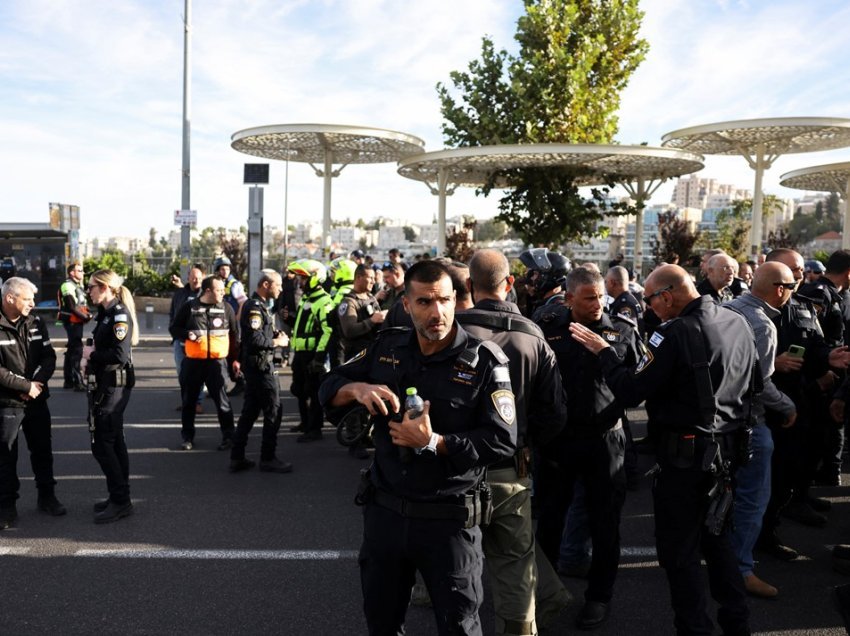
752, 492
575, 544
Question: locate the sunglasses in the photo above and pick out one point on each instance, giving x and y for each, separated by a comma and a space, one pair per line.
647, 300
91, 287
788, 286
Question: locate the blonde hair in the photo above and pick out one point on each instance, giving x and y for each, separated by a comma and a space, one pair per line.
108, 278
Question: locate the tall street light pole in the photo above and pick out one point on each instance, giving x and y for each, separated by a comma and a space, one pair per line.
185, 203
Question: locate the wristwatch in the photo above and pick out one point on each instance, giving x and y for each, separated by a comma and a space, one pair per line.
431, 446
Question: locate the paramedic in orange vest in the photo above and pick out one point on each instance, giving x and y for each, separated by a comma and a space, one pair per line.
208, 327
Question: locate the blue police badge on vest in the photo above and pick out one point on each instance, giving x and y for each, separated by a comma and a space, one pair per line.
342, 307
504, 402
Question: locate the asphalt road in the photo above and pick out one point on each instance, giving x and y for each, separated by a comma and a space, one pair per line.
209, 552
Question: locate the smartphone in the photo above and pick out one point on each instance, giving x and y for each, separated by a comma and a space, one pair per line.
796, 351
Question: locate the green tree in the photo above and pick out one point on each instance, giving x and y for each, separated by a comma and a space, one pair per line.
733, 230
409, 233
563, 86
676, 241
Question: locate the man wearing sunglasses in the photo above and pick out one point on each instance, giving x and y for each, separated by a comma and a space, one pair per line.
773, 284
698, 409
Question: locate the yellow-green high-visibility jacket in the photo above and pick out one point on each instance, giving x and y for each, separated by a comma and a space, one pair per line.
312, 331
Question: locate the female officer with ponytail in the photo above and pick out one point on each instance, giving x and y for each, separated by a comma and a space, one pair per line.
111, 377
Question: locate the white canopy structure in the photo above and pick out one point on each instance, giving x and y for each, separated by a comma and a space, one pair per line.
761, 142
325, 145
639, 169
833, 177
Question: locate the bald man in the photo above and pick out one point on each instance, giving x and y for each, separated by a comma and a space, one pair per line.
698, 410
773, 284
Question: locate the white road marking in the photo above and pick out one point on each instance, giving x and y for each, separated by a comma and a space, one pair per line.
9, 551
268, 555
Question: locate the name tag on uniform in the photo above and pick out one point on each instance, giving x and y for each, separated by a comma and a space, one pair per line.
501, 374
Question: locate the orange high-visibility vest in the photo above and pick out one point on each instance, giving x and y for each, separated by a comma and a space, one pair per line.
209, 332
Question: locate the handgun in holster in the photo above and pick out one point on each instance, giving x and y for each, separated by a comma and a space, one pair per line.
365, 488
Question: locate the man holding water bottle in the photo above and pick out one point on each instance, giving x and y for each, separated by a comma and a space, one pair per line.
423, 496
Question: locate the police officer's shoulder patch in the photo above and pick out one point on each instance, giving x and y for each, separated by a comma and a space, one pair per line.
120, 329
343, 306
255, 319
645, 361
503, 400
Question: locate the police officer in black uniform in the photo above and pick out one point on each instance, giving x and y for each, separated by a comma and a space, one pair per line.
27, 361
544, 279
696, 377
111, 378
800, 378
594, 439
541, 414
624, 304
826, 296
423, 495
262, 390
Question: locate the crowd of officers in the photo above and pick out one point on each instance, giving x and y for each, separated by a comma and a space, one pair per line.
742, 376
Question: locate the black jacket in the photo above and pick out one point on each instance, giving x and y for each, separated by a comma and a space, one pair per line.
257, 328
26, 356
472, 407
540, 399
592, 407
665, 375
112, 335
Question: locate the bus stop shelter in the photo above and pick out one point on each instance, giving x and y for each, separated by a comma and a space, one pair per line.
761, 142
323, 146
639, 169
833, 177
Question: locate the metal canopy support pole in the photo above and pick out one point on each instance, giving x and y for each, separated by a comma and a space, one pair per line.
255, 235
758, 197
185, 203
286, 212
326, 212
641, 197
442, 188
845, 236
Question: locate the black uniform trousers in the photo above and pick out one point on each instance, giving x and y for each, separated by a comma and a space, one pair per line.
599, 463
448, 556
195, 373
73, 352
262, 394
108, 445
35, 422
305, 387
791, 465
680, 497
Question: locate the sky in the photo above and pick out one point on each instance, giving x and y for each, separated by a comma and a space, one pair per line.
91, 96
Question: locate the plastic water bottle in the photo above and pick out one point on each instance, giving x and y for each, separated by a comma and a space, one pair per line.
414, 406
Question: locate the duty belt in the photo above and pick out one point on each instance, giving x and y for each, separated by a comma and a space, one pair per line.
421, 510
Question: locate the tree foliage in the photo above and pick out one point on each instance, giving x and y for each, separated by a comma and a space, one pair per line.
563, 86
459, 241
826, 217
676, 241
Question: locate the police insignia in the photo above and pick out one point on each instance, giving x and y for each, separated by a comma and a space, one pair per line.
255, 320
644, 362
217, 322
504, 402
343, 306
610, 336
120, 330
656, 339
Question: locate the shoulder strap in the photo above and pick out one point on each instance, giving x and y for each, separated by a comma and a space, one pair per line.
699, 362
502, 322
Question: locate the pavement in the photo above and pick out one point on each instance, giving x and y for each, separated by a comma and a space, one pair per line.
210, 552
